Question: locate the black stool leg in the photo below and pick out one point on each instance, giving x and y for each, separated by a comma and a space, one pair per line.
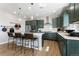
8, 42
13, 44
25, 46
33, 47
16, 44
22, 44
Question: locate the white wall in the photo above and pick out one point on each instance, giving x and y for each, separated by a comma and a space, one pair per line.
5, 20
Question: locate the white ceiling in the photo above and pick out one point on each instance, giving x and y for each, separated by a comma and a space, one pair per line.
48, 9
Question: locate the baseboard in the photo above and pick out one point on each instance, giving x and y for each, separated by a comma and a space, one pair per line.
5, 42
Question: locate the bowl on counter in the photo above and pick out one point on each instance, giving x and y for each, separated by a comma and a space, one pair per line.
69, 31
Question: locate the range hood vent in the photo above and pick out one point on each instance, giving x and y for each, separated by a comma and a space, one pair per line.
47, 21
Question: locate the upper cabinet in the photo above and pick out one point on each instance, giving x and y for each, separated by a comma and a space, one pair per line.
35, 24
59, 21
73, 11
68, 16
40, 23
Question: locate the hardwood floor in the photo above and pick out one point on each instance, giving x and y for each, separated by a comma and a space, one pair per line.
50, 49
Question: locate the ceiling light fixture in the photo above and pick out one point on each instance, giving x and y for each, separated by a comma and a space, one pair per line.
20, 19
41, 5
14, 12
72, 7
32, 17
29, 7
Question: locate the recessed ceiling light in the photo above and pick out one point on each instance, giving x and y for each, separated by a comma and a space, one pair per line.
41, 5
14, 12
72, 7
32, 17
20, 19
29, 7
54, 11
24, 16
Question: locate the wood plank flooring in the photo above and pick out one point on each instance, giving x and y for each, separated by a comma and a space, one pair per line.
50, 48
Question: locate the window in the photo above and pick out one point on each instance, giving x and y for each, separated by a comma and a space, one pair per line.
66, 19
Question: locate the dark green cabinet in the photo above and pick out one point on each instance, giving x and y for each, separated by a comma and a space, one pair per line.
54, 23
73, 13
73, 47
62, 45
59, 21
68, 47
40, 23
28, 22
35, 24
50, 36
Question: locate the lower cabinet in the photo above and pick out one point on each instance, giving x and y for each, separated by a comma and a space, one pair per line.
68, 47
49, 36
73, 47
62, 45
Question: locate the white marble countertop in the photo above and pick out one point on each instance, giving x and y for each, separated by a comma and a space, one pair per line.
65, 35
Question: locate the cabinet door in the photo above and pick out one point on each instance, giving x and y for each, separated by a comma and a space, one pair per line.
62, 45
59, 21
54, 23
40, 23
64, 48
73, 47
28, 22
34, 25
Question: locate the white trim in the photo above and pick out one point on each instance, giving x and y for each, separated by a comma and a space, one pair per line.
5, 42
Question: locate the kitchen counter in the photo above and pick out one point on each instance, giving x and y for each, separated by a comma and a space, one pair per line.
66, 36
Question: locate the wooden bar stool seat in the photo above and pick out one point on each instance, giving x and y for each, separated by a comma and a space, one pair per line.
10, 37
29, 37
18, 36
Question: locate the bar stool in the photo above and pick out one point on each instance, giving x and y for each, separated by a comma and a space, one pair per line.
18, 36
30, 37
10, 37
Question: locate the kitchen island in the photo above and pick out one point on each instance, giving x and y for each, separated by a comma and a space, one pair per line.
37, 43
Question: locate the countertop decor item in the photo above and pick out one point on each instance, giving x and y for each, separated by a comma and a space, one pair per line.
69, 31
4, 29
11, 30
17, 26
